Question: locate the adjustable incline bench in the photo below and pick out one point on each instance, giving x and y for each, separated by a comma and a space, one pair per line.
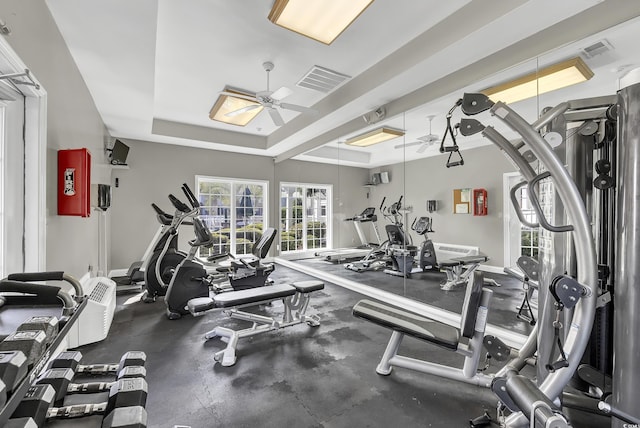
295, 298
472, 326
459, 262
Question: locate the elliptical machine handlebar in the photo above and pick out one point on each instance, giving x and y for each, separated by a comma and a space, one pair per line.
190, 196
163, 217
180, 206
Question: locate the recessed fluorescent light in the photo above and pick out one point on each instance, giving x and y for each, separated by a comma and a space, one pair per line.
321, 20
226, 104
374, 137
548, 79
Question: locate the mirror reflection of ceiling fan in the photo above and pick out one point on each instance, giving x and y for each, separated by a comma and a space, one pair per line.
269, 100
424, 142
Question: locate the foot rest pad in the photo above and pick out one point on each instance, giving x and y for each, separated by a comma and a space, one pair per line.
308, 286
408, 323
200, 304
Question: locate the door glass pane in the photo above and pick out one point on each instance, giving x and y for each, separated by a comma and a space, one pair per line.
235, 212
304, 217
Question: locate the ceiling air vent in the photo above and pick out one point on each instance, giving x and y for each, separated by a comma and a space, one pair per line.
322, 79
597, 48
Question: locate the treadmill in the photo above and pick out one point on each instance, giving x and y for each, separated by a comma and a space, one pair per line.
340, 255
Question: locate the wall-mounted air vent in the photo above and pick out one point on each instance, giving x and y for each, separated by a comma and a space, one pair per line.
597, 48
322, 79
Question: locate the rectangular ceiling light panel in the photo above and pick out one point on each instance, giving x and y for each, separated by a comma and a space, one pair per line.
374, 137
321, 20
226, 104
548, 79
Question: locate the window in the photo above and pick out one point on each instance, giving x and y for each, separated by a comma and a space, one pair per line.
528, 236
23, 165
11, 184
235, 211
305, 216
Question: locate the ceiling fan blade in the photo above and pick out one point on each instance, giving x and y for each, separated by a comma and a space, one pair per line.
281, 93
275, 116
422, 148
296, 107
243, 110
405, 145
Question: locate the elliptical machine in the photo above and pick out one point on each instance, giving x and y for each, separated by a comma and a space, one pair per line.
190, 278
166, 256
427, 253
400, 250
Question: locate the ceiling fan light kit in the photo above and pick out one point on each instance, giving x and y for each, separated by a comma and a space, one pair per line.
556, 76
376, 136
321, 20
235, 108
248, 105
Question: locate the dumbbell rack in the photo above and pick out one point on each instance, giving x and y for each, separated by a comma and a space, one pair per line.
20, 391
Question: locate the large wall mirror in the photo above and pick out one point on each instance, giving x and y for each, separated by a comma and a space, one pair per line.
326, 203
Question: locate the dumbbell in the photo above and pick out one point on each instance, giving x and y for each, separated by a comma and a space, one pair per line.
60, 380
32, 337
124, 408
71, 360
13, 368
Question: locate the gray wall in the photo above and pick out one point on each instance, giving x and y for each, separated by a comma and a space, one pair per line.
429, 178
72, 122
155, 170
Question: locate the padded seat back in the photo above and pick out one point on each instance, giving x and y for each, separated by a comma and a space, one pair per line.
261, 248
471, 304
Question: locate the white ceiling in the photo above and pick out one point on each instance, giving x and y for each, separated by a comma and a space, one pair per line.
155, 67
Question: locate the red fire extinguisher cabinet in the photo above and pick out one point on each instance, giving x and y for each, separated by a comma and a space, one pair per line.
480, 202
74, 182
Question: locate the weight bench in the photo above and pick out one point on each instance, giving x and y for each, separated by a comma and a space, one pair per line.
472, 326
295, 298
458, 262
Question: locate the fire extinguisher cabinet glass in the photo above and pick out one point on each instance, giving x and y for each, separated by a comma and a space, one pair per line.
74, 182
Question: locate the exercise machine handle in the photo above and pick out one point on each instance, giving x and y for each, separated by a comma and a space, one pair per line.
37, 276
48, 276
180, 206
41, 290
516, 206
535, 203
159, 210
164, 218
43, 293
190, 196
384, 198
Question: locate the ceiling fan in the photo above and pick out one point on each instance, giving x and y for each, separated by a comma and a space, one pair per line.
269, 100
425, 141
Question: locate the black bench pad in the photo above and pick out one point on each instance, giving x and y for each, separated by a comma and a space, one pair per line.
241, 297
253, 295
408, 323
308, 286
465, 260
